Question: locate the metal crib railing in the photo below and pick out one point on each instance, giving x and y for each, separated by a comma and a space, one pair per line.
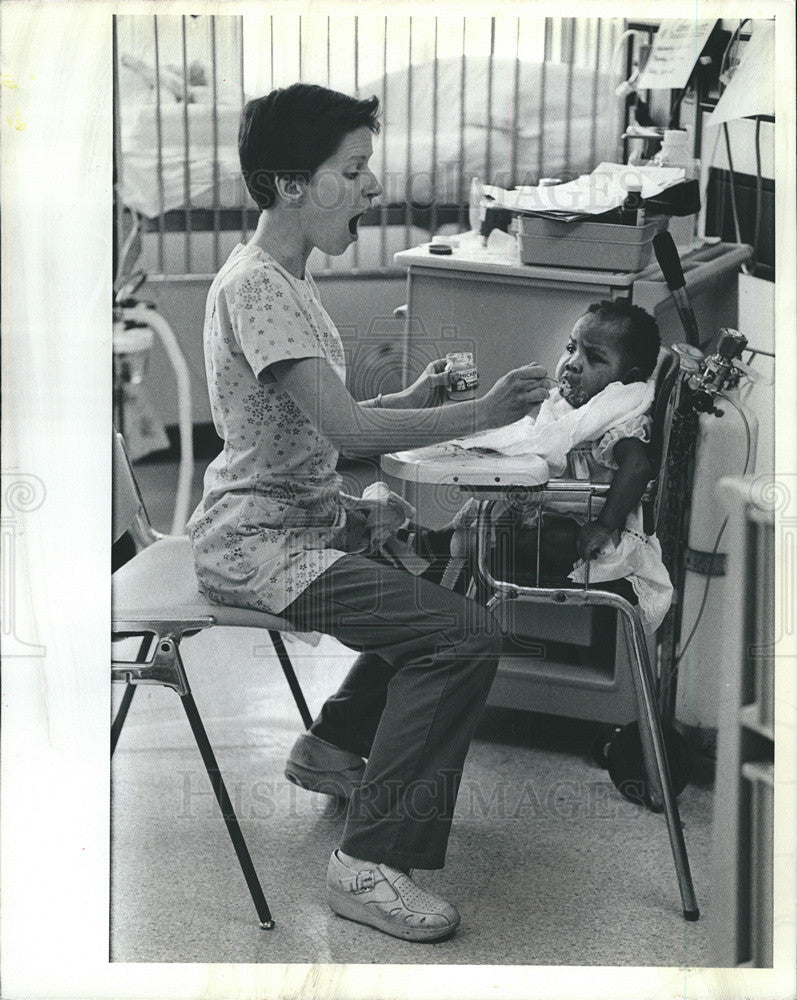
310, 47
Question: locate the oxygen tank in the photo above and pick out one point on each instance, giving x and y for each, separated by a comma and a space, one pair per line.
721, 450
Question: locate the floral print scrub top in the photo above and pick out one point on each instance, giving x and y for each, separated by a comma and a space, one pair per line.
271, 511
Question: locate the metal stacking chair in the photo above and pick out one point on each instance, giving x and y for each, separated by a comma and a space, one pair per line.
156, 597
492, 591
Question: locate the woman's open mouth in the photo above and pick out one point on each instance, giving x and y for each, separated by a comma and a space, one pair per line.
353, 221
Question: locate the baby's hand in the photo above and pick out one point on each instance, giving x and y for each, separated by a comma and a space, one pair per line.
591, 539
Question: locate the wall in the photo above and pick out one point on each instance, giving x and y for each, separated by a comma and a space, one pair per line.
361, 308
756, 295
742, 140
757, 323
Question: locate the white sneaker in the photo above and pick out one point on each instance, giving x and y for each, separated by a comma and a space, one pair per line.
387, 899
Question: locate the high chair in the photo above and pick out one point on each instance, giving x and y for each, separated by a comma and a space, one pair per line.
155, 596
614, 595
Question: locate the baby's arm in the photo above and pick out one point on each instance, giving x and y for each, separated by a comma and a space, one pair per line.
633, 474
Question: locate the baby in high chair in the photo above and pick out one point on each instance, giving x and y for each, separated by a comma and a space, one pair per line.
594, 426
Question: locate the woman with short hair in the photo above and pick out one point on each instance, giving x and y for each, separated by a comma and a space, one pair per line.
274, 532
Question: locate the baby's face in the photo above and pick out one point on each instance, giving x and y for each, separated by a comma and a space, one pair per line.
596, 359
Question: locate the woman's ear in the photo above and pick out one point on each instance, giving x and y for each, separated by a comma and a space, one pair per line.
290, 189
633, 375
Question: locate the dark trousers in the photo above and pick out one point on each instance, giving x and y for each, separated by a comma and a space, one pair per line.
410, 703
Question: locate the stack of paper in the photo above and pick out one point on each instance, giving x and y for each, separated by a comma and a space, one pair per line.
590, 194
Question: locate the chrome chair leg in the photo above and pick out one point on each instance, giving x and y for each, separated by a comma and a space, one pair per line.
637, 652
228, 812
217, 782
655, 756
121, 715
648, 717
290, 676
166, 668
127, 697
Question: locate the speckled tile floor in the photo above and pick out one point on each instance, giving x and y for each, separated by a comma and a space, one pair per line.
547, 864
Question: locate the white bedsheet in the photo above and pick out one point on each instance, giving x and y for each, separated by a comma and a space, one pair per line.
140, 188
433, 169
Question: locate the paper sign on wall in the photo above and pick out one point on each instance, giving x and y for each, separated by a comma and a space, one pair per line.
676, 48
752, 87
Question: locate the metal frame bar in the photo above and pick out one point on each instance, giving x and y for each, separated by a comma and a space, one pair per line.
228, 812
271, 49
119, 214
648, 717
569, 28
408, 171
214, 74
290, 675
244, 233
593, 143
461, 164
435, 88
488, 150
127, 697
159, 133
187, 149
300, 49
327, 258
121, 715
383, 208
356, 251
513, 178
546, 55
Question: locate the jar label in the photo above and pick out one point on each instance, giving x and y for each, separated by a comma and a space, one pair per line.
463, 380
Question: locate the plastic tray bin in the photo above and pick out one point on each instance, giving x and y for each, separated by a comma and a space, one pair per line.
599, 246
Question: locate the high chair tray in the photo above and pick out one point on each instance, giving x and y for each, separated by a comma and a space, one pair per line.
451, 464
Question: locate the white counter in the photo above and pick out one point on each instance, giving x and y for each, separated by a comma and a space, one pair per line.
509, 314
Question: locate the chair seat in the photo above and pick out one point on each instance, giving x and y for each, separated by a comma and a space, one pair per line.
160, 583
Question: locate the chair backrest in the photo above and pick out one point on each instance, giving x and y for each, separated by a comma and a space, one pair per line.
666, 375
128, 512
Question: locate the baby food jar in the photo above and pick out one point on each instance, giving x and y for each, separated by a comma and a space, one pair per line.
463, 378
